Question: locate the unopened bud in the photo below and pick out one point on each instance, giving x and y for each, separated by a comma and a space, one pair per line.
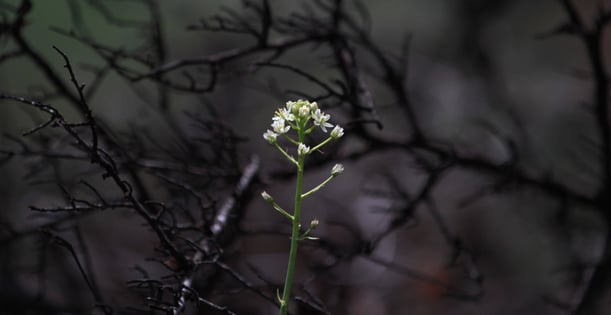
303, 149
267, 197
337, 169
337, 132
314, 224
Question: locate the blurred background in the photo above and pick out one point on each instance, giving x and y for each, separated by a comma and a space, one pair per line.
476, 179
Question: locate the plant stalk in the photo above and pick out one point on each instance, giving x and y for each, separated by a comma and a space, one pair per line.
288, 282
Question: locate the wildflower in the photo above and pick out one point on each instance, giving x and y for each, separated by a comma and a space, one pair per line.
337, 132
270, 136
297, 115
279, 127
321, 119
337, 169
303, 149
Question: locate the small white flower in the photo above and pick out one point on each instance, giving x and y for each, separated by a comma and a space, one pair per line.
337, 169
303, 149
285, 114
267, 197
290, 105
337, 132
270, 136
313, 106
304, 110
321, 119
279, 127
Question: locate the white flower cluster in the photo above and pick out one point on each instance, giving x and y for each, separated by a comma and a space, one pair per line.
297, 115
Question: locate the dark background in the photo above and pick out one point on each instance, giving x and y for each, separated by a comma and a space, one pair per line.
477, 156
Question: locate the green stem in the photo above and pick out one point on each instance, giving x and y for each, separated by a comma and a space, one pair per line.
282, 211
288, 282
321, 144
285, 154
317, 188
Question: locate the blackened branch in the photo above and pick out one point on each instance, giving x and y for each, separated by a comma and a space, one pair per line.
219, 226
594, 281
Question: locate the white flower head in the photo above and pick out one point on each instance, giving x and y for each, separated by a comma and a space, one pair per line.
270, 136
303, 149
337, 132
337, 169
321, 119
278, 125
313, 106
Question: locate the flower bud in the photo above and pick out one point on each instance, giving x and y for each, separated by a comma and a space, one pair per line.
267, 197
290, 105
314, 223
304, 111
303, 149
337, 169
337, 132
270, 136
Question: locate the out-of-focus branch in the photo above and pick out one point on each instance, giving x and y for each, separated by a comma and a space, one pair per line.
219, 226
595, 279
